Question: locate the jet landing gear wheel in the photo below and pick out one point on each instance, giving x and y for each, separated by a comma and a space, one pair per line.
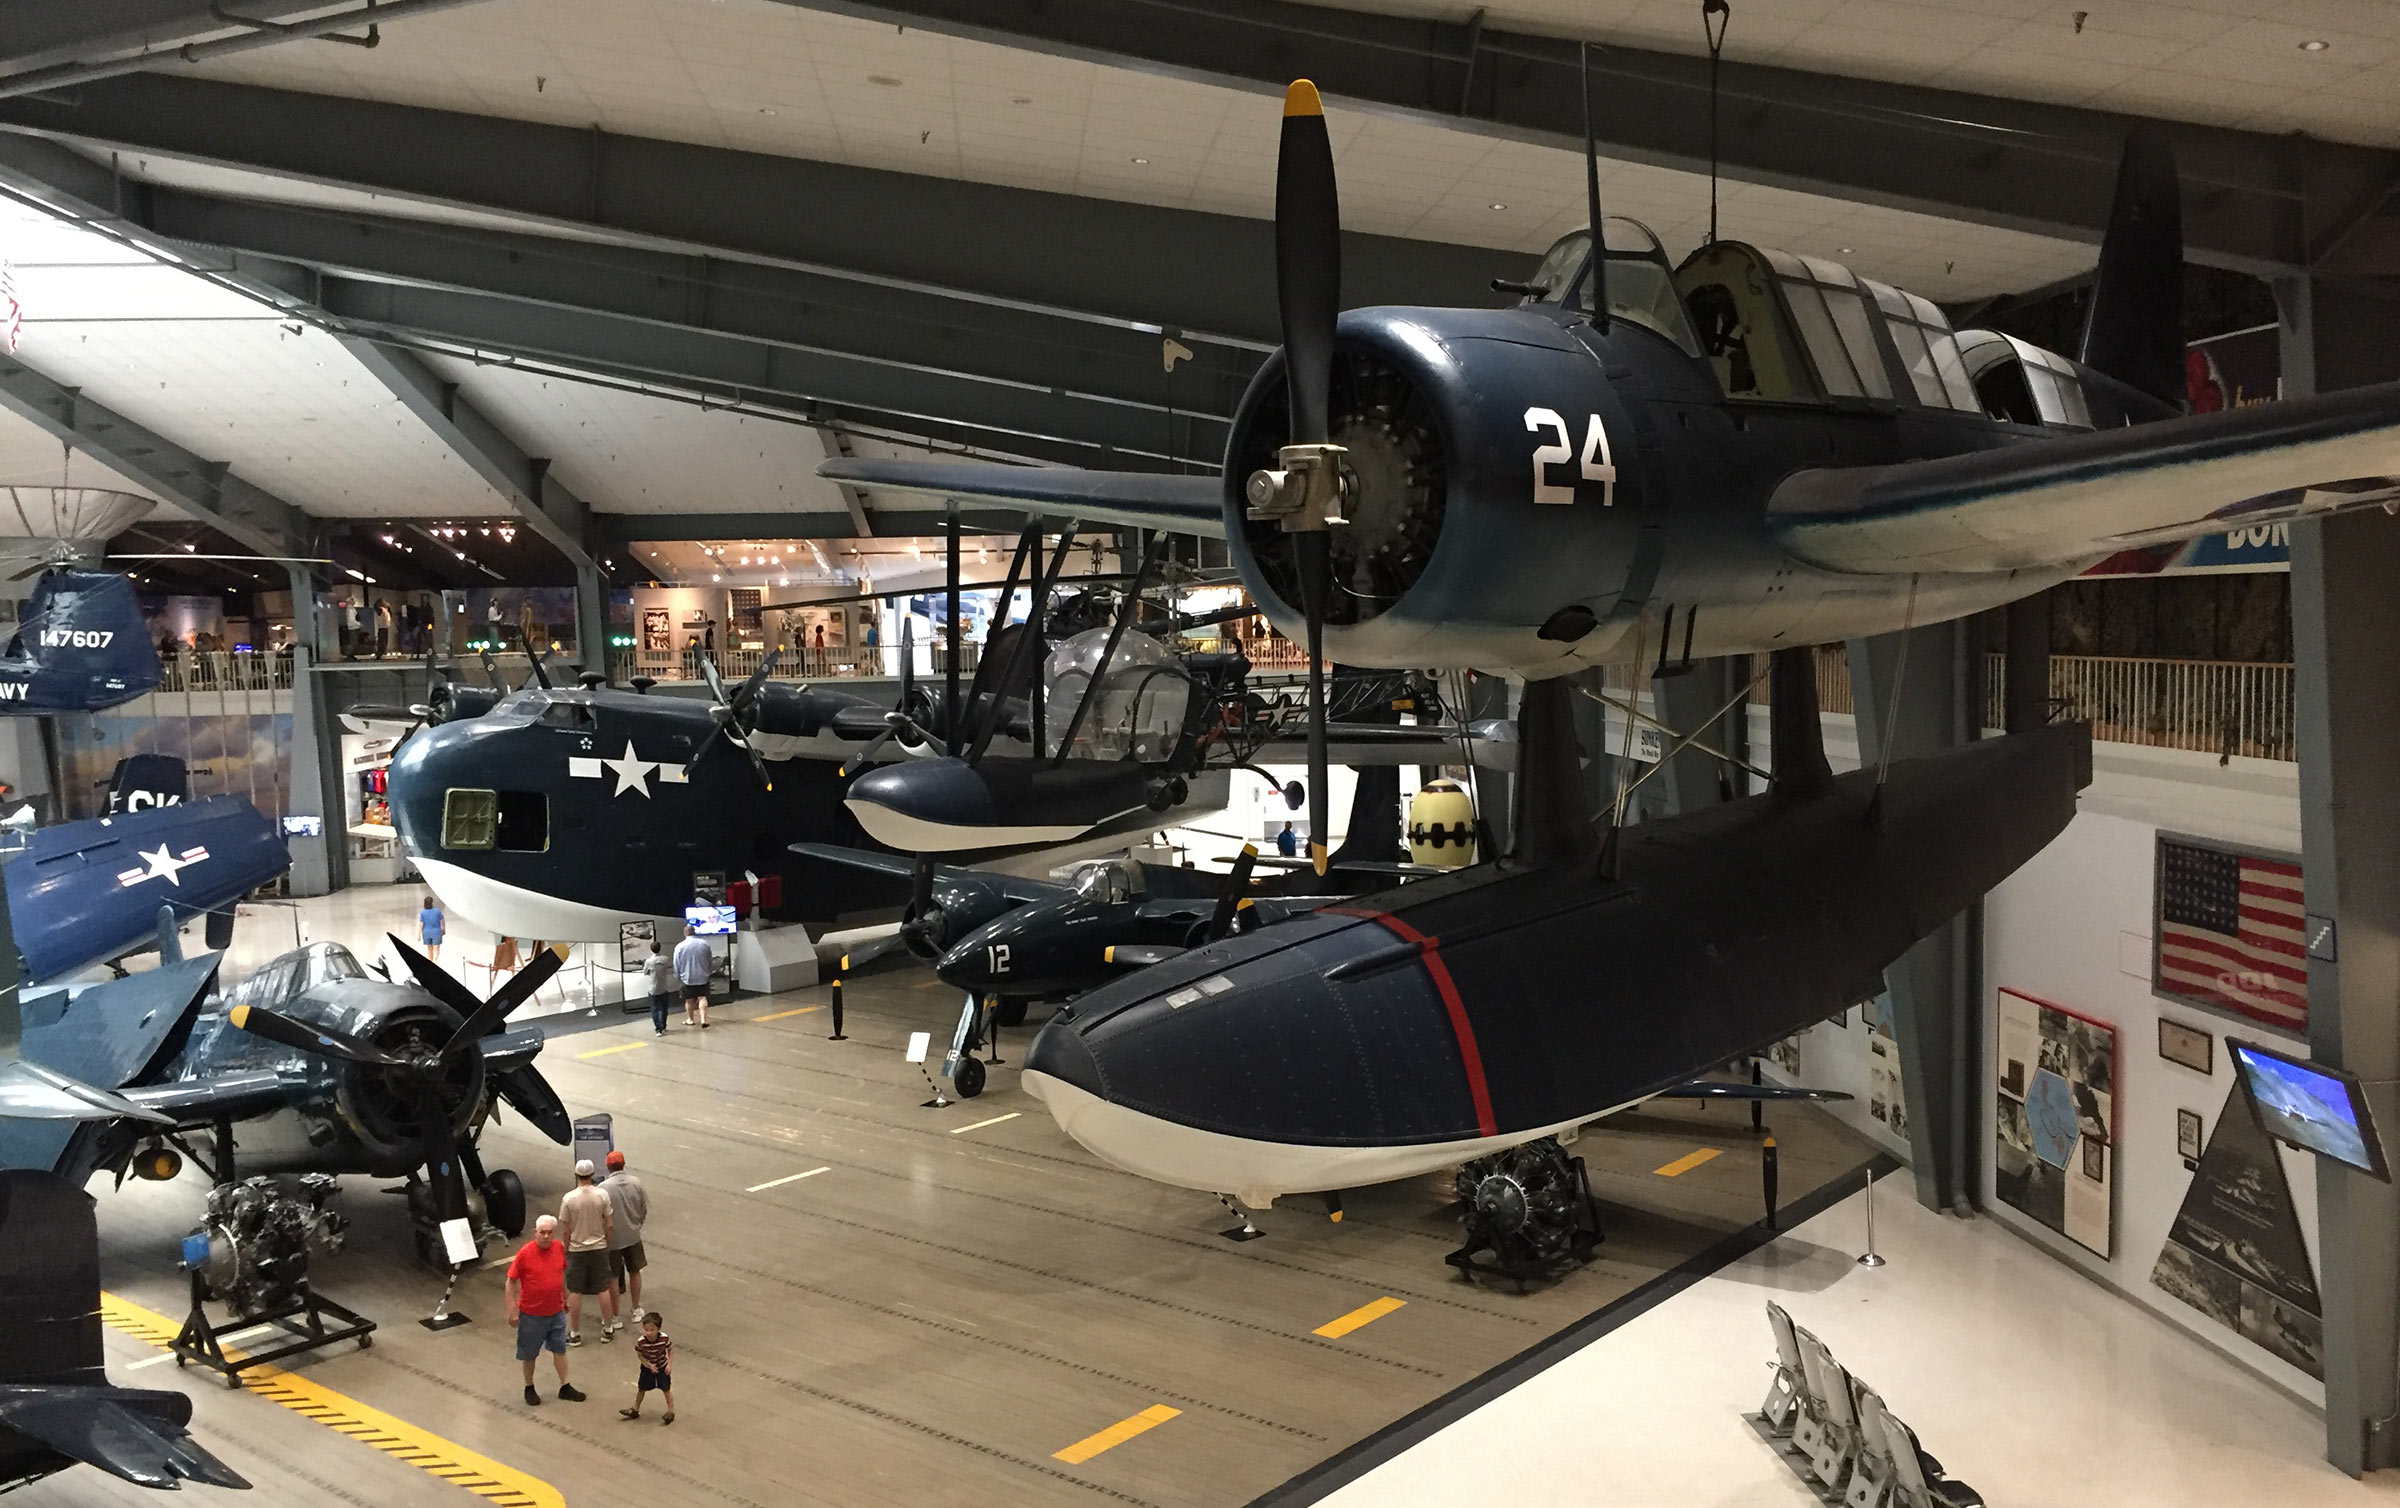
504, 1202
968, 1080
1529, 1214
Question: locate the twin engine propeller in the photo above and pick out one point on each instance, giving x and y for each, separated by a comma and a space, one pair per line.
736, 714
429, 1076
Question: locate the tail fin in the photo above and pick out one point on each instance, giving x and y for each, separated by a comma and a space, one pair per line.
1553, 823
50, 1267
2135, 330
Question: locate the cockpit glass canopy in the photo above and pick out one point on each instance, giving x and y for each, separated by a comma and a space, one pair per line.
1641, 282
295, 974
1108, 880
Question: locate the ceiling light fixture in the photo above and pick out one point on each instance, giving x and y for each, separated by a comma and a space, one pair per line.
766, 110
1141, 162
1496, 204
2315, 44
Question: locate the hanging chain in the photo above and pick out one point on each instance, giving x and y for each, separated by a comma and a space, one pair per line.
1720, 13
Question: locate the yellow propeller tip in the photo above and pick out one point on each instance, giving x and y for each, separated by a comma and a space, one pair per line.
561, 950
1316, 851
241, 1016
1245, 903
1249, 850
1301, 99
845, 963
1109, 954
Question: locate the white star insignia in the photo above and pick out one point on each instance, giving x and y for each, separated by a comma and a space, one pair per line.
162, 863
633, 772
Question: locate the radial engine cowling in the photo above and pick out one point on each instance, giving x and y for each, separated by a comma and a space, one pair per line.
961, 904
1459, 547
381, 1105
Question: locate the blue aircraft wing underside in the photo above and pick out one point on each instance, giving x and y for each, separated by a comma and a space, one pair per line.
1176, 503
2083, 497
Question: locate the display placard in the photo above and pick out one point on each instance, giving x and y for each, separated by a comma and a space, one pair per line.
2055, 1137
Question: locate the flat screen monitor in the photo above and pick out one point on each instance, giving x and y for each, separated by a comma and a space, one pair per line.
2315, 1108
304, 827
711, 921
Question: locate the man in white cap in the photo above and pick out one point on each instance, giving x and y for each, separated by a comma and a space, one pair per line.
583, 1223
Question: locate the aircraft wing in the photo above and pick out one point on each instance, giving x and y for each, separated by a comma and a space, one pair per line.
224, 1096
1177, 502
131, 1433
2084, 497
1015, 887
31, 1092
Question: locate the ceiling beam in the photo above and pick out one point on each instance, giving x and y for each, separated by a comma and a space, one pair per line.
619, 530
2252, 199
546, 504
1184, 270
245, 513
904, 329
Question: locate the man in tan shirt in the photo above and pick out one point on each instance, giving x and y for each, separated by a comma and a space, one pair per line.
583, 1223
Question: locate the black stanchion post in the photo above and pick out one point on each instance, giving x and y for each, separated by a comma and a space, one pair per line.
1766, 1170
839, 970
1758, 1108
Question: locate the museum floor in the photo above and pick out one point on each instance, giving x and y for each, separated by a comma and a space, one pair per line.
875, 1301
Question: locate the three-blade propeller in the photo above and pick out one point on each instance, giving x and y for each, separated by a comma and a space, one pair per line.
733, 711
1229, 899
901, 722
422, 1074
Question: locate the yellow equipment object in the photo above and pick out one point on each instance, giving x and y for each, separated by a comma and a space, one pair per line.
1441, 826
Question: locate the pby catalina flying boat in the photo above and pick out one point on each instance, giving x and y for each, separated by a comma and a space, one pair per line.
87, 892
563, 812
1748, 451
57, 1406
321, 1067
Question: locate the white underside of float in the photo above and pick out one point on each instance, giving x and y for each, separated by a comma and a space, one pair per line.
1257, 1173
916, 835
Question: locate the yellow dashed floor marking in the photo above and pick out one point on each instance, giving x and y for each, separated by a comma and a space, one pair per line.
602, 1052
779, 1015
1689, 1161
397, 1438
1364, 1314
1115, 1435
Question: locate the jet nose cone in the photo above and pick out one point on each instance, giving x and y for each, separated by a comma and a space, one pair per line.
1060, 1052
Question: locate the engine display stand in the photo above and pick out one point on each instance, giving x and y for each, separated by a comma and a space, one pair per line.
303, 1321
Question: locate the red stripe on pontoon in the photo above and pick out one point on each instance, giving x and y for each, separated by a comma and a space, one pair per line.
1469, 1056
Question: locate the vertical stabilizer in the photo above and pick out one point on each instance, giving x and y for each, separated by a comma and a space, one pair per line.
2135, 330
1798, 733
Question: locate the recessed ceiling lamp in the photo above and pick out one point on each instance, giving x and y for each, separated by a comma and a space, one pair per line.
1496, 204
766, 109
1141, 162
1845, 251
714, 577
2315, 44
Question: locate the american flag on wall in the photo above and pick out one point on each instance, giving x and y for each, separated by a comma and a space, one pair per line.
2230, 933
12, 312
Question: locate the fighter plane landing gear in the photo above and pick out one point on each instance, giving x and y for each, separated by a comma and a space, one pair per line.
1530, 1209
495, 1203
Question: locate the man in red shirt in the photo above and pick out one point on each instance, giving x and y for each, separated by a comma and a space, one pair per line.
537, 1302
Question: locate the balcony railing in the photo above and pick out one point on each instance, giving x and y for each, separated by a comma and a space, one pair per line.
811, 664
225, 670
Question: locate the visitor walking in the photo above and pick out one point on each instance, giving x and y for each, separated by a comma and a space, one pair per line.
537, 1280
628, 1207
663, 987
1287, 842
583, 1225
656, 1353
429, 928
694, 961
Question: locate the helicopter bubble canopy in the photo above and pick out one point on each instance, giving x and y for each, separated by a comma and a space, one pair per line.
1138, 709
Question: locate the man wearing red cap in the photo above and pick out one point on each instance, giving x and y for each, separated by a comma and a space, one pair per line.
628, 1207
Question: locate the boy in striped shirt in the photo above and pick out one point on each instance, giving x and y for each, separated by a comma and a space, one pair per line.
656, 1353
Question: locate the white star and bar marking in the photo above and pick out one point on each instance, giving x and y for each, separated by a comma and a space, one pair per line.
631, 772
161, 863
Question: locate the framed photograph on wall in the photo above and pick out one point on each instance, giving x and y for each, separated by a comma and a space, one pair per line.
2188, 1137
2188, 1046
2227, 932
2052, 1137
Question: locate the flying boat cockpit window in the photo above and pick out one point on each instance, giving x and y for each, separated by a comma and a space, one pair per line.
1641, 283
561, 713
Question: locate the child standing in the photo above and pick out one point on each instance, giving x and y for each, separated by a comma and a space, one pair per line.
656, 1353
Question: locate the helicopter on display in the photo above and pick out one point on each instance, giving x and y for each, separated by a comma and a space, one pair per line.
1772, 448
322, 1067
